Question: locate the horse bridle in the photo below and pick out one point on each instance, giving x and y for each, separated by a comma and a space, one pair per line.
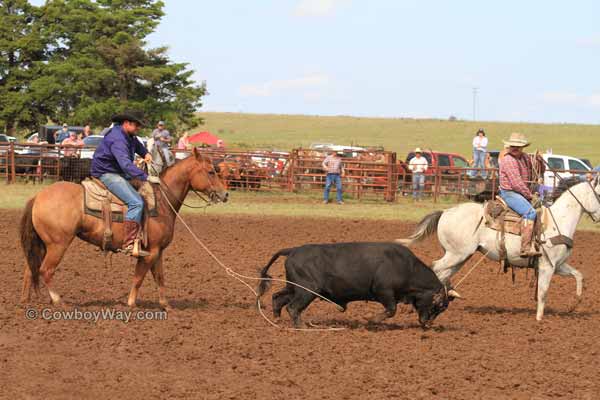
596, 179
182, 202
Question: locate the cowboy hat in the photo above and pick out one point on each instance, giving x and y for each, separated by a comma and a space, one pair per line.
418, 150
516, 139
129, 115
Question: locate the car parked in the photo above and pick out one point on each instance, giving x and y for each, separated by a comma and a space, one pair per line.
562, 165
448, 164
444, 161
7, 139
46, 132
90, 143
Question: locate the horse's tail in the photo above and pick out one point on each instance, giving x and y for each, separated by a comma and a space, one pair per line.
426, 227
265, 282
33, 246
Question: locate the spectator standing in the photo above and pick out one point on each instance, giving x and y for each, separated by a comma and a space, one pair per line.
70, 144
62, 134
418, 166
335, 171
480, 142
184, 141
87, 131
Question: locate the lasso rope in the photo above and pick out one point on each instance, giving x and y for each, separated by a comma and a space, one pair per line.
241, 277
472, 269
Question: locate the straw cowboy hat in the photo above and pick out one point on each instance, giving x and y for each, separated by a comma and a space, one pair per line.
418, 150
517, 140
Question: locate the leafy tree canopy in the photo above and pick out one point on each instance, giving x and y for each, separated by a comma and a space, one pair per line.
80, 61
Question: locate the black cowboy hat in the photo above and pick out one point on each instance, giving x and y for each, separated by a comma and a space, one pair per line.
129, 115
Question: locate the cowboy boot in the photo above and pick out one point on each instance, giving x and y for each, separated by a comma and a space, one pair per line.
131, 241
527, 240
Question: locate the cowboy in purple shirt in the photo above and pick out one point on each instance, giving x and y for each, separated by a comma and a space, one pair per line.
113, 165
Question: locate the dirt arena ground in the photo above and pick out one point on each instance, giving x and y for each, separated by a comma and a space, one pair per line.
214, 345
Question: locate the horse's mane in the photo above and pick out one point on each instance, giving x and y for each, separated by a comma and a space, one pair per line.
563, 186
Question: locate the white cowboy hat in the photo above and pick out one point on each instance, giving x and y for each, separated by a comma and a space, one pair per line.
418, 150
516, 139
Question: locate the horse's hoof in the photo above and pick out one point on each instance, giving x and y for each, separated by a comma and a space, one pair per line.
575, 305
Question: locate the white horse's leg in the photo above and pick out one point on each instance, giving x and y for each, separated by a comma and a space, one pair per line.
450, 264
545, 273
566, 270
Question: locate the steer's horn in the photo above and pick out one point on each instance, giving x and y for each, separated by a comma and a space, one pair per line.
454, 293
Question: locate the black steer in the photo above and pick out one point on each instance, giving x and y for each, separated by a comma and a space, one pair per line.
388, 273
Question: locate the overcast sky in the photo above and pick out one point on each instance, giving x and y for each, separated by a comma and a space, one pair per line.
530, 60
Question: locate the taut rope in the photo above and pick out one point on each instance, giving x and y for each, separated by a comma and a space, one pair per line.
241, 277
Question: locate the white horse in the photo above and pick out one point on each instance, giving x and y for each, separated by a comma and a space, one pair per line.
461, 234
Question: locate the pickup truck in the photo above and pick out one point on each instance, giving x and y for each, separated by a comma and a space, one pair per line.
443, 161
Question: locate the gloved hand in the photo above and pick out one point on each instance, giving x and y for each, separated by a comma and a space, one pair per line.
536, 202
153, 179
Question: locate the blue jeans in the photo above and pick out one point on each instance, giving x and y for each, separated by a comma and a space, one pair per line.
330, 179
478, 162
518, 203
418, 184
121, 188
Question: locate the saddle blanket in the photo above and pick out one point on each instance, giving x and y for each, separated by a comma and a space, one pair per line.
95, 193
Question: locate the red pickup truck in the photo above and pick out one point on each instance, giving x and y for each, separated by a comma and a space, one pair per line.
438, 159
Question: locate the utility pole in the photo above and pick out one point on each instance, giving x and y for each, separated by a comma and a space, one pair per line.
475, 89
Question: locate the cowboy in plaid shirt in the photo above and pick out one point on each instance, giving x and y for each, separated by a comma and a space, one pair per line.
515, 172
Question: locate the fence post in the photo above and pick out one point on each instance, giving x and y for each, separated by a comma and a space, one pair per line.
391, 186
13, 169
437, 181
292, 170
58, 161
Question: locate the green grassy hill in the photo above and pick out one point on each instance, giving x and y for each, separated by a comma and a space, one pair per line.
284, 132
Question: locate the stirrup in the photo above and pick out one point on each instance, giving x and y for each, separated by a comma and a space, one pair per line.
134, 250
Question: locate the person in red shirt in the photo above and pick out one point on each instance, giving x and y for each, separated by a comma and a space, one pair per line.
515, 170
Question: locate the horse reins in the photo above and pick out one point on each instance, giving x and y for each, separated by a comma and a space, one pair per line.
561, 179
169, 192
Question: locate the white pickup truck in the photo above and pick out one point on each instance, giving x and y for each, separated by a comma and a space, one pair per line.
562, 163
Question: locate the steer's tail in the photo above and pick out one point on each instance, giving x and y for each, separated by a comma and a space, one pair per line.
33, 246
426, 227
265, 282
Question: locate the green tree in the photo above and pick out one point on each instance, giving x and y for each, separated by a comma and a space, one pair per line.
22, 56
99, 64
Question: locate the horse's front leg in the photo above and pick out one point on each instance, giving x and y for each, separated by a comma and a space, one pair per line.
566, 270
545, 272
159, 277
141, 269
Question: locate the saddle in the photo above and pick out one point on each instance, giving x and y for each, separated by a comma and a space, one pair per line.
500, 217
99, 202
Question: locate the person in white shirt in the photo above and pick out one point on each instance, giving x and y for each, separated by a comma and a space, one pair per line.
480, 142
418, 166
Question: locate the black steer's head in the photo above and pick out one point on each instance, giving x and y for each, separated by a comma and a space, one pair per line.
431, 304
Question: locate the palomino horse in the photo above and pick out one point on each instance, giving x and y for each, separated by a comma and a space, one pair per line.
47, 230
461, 234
